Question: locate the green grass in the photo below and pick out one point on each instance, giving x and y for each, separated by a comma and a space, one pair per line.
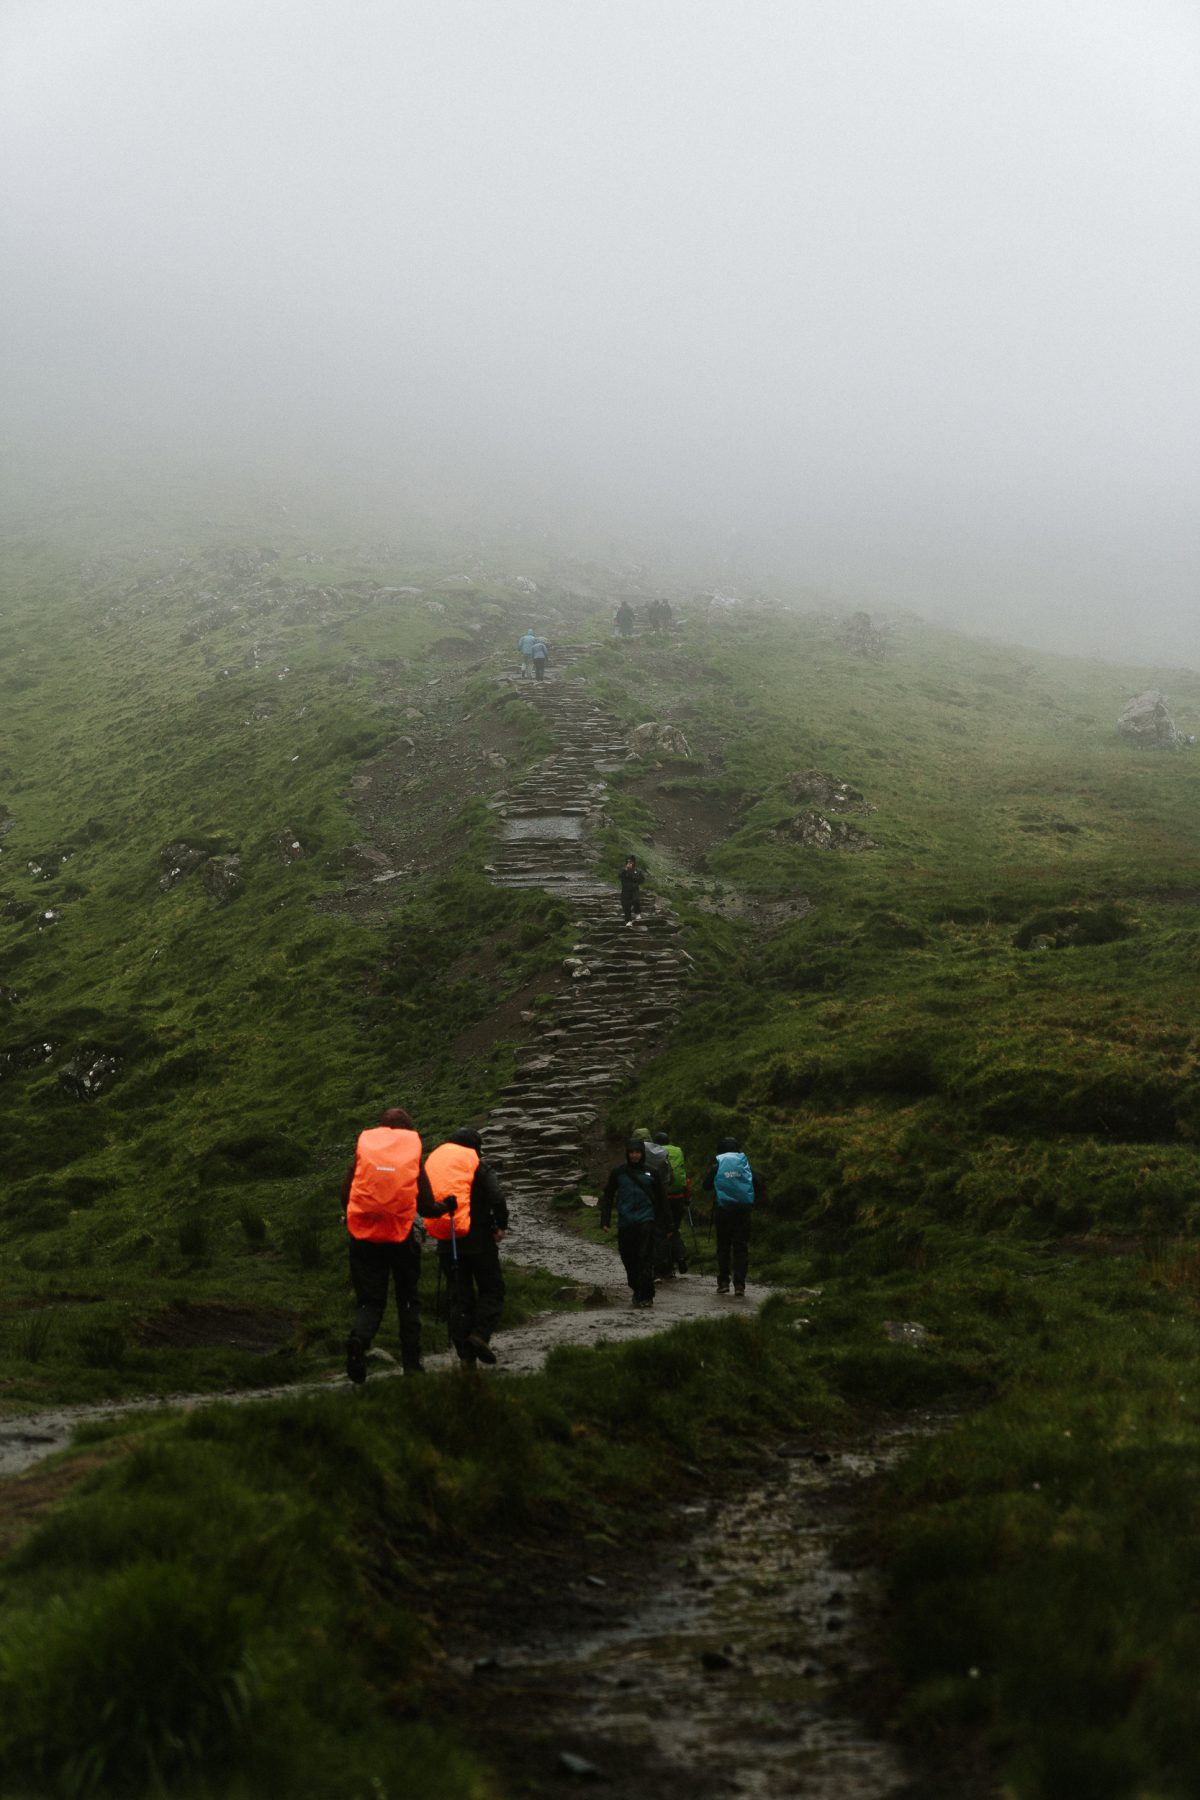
977, 1050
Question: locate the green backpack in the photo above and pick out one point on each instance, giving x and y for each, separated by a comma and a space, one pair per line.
677, 1167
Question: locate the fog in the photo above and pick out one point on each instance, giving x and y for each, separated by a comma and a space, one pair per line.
893, 302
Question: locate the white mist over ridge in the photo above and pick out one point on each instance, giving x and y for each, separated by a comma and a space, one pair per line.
896, 303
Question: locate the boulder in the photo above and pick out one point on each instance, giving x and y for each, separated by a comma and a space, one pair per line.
655, 739
1147, 723
176, 861
223, 879
88, 1073
287, 845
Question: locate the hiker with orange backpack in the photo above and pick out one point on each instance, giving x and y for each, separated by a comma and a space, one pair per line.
385, 1191
468, 1242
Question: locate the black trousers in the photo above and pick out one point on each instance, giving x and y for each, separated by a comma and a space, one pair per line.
373, 1269
631, 902
475, 1287
636, 1245
733, 1243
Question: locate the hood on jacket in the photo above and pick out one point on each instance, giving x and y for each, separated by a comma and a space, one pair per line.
727, 1144
469, 1138
635, 1145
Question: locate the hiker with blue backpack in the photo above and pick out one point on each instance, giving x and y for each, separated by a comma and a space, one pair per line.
734, 1187
540, 656
525, 645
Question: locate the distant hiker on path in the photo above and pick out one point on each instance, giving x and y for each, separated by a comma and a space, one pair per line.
631, 882
641, 1207
525, 645
468, 1242
384, 1191
679, 1192
734, 1187
540, 655
623, 619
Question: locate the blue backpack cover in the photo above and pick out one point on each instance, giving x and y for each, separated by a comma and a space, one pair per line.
733, 1183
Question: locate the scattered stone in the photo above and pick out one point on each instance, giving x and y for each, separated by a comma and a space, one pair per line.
1147, 724
29, 1056
48, 918
486, 1665
595, 1581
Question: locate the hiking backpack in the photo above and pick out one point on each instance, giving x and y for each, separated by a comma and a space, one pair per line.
733, 1183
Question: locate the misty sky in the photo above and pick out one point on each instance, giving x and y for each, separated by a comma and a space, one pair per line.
897, 298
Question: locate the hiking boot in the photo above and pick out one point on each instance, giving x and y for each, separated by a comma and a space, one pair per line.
739, 1293
628, 923
479, 1345
356, 1358
722, 1287
681, 1268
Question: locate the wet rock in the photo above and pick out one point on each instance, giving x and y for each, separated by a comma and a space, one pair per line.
177, 861
905, 1331
714, 1662
17, 909
27, 1056
48, 919
223, 879
1146, 723
486, 1665
89, 1073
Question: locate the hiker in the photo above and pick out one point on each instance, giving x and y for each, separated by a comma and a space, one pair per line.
525, 645
631, 881
679, 1192
735, 1188
540, 655
468, 1242
384, 1191
656, 1162
624, 620
641, 1207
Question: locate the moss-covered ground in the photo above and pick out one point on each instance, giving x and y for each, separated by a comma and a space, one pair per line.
967, 1071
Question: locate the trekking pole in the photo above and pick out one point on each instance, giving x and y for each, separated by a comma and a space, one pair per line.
454, 1265
691, 1219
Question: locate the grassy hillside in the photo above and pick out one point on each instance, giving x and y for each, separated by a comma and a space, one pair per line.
963, 1054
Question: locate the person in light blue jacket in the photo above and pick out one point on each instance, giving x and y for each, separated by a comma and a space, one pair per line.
525, 645
734, 1187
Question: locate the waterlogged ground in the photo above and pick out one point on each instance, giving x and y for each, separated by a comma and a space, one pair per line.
726, 1668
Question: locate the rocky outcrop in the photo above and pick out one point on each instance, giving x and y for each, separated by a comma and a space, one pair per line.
653, 739
815, 832
223, 879
176, 861
813, 788
88, 1073
1147, 724
862, 638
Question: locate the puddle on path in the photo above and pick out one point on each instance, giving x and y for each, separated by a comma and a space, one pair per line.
727, 1675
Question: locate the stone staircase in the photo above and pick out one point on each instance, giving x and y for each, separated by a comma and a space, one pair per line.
625, 985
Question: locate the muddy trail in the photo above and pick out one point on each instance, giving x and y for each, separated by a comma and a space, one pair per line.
742, 1660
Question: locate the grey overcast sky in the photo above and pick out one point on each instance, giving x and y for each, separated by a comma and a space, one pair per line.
896, 296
